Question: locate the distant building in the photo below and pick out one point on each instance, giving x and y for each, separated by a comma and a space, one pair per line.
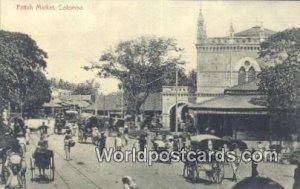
63, 99
110, 105
60, 92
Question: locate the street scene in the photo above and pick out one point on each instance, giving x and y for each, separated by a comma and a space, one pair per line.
144, 95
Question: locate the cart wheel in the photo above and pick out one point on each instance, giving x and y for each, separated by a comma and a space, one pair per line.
52, 170
192, 172
24, 182
79, 139
217, 172
32, 169
185, 172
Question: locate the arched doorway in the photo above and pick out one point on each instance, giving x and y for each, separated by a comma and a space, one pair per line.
251, 74
182, 110
242, 76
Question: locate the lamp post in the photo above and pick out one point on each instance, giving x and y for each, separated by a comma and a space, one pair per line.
122, 102
176, 101
96, 102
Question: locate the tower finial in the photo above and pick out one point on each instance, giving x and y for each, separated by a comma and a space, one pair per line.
262, 32
231, 30
200, 16
201, 32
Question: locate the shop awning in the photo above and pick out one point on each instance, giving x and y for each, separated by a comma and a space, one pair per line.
51, 105
232, 104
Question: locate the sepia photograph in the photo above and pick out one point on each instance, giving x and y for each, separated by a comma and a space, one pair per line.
162, 94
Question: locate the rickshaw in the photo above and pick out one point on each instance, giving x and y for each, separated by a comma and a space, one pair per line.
116, 126
43, 160
89, 128
213, 169
13, 164
159, 142
18, 130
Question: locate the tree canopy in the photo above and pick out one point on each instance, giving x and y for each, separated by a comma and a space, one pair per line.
280, 78
88, 88
21, 65
142, 65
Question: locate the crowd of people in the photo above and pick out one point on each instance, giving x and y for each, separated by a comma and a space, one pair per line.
15, 175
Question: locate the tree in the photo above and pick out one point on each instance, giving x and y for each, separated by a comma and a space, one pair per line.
280, 79
142, 65
192, 81
38, 93
20, 59
88, 88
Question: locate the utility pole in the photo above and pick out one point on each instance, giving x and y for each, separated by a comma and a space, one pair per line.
80, 104
122, 102
104, 104
0, 13
96, 103
176, 100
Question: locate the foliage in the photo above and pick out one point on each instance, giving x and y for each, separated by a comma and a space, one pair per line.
38, 93
20, 59
143, 66
88, 88
280, 78
61, 84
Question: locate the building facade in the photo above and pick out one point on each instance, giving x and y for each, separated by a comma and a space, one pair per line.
222, 62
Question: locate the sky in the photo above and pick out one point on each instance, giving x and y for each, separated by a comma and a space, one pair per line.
74, 38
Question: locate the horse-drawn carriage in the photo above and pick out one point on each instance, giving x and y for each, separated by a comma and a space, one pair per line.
213, 169
60, 123
43, 160
90, 127
71, 116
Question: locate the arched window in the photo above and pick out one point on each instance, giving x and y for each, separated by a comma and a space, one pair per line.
242, 76
251, 74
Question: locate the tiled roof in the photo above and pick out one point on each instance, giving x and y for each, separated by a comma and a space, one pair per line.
77, 97
112, 102
232, 102
254, 32
82, 104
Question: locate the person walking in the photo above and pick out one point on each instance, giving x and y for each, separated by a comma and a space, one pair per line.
101, 143
126, 132
68, 143
296, 184
260, 146
136, 146
118, 142
254, 165
143, 140
235, 165
43, 131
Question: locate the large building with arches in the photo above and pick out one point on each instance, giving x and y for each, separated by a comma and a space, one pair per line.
227, 69
223, 62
